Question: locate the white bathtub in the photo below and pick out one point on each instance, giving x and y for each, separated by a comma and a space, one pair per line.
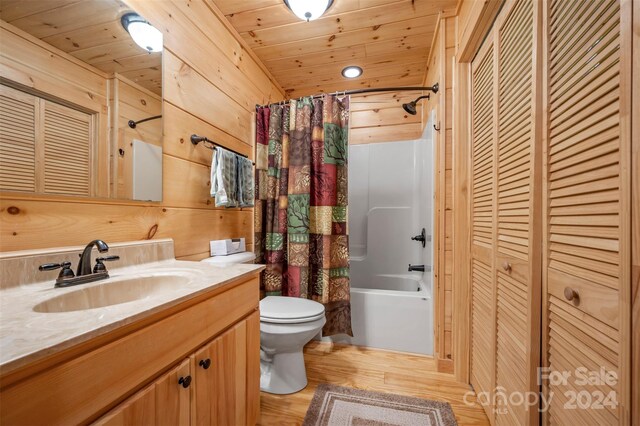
393, 312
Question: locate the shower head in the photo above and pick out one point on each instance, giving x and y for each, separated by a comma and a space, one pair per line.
411, 106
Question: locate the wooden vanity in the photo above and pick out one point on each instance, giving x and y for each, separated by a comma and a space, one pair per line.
195, 361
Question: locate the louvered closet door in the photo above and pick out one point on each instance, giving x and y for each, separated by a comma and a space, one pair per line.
67, 150
518, 260
45, 147
484, 119
18, 119
587, 265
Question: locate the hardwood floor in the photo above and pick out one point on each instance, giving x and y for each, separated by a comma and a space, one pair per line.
371, 369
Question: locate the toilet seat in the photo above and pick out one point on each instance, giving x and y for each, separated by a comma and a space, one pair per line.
289, 310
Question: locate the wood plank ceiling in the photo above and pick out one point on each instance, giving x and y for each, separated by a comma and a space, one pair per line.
90, 31
388, 39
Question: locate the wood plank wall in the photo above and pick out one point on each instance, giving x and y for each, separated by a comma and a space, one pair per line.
635, 223
441, 71
211, 85
379, 117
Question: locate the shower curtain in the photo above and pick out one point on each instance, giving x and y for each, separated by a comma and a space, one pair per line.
301, 204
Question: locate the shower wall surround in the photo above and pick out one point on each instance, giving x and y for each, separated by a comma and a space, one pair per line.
390, 201
211, 83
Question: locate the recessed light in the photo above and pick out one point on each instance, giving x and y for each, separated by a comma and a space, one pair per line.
142, 32
352, 72
308, 10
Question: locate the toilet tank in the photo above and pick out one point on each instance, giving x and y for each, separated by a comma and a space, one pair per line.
232, 259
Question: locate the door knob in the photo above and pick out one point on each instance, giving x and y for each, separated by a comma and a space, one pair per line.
506, 266
185, 381
571, 295
205, 363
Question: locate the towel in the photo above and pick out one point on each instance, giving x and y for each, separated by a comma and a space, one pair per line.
246, 191
224, 178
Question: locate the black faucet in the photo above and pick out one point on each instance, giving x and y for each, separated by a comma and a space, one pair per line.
419, 268
85, 273
84, 265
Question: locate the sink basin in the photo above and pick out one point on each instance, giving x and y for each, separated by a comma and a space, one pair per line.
111, 293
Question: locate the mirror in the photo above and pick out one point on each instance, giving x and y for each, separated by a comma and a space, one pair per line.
80, 100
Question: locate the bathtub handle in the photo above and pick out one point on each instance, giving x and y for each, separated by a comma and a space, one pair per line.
422, 237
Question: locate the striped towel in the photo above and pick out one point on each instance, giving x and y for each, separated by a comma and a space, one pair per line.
246, 186
224, 178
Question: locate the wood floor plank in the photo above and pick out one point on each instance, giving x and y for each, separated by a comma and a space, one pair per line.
374, 370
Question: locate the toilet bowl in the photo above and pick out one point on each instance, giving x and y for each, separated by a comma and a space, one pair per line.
286, 325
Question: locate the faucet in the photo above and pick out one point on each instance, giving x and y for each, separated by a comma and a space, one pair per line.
419, 268
84, 265
85, 274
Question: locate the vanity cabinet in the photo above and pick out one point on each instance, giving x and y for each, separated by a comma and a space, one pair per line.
165, 401
209, 387
131, 375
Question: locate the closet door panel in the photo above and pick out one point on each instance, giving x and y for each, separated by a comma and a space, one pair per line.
586, 187
482, 371
517, 260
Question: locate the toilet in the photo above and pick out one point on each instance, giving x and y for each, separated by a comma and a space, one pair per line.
286, 325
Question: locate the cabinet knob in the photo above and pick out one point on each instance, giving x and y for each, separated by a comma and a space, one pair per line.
571, 294
506, 266
185, 381
205, 363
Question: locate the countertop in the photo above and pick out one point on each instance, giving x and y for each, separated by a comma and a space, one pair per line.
27, 336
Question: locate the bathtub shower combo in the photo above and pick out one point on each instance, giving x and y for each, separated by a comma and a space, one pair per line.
390, 203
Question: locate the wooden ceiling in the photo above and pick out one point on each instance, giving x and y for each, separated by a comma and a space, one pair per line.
90, 31
389, 39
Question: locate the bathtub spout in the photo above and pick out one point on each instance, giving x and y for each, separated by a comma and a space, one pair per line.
419, 268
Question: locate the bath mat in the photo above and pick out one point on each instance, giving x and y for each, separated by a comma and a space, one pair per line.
340, 406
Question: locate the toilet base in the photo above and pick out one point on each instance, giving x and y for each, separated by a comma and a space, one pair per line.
282, 373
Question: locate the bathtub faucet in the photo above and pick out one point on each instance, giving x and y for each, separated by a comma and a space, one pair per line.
419, 268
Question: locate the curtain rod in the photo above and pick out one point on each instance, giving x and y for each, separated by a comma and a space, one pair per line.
133, 124
195, 139
433, 89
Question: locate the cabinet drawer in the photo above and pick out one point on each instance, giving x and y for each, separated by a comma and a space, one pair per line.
80, 389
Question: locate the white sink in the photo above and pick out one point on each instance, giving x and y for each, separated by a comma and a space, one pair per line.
111, 293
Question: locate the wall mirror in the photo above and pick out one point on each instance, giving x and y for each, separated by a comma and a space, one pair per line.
80, 100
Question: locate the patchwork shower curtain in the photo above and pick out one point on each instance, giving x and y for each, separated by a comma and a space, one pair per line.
301, 204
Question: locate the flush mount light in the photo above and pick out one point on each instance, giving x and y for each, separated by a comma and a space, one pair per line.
352, 72
308, 10
142, 32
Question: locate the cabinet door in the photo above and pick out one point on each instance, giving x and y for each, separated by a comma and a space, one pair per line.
166, 401
587, 266
220, 371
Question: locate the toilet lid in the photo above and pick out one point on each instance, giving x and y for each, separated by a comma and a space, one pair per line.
289, 309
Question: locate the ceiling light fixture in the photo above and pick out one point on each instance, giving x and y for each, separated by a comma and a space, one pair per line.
308, 10
142, 32
352, 71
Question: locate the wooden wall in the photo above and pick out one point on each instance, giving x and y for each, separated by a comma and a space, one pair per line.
211, 85
379, 117
441, 71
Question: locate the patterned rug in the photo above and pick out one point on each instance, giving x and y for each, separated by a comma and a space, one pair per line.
338, 406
